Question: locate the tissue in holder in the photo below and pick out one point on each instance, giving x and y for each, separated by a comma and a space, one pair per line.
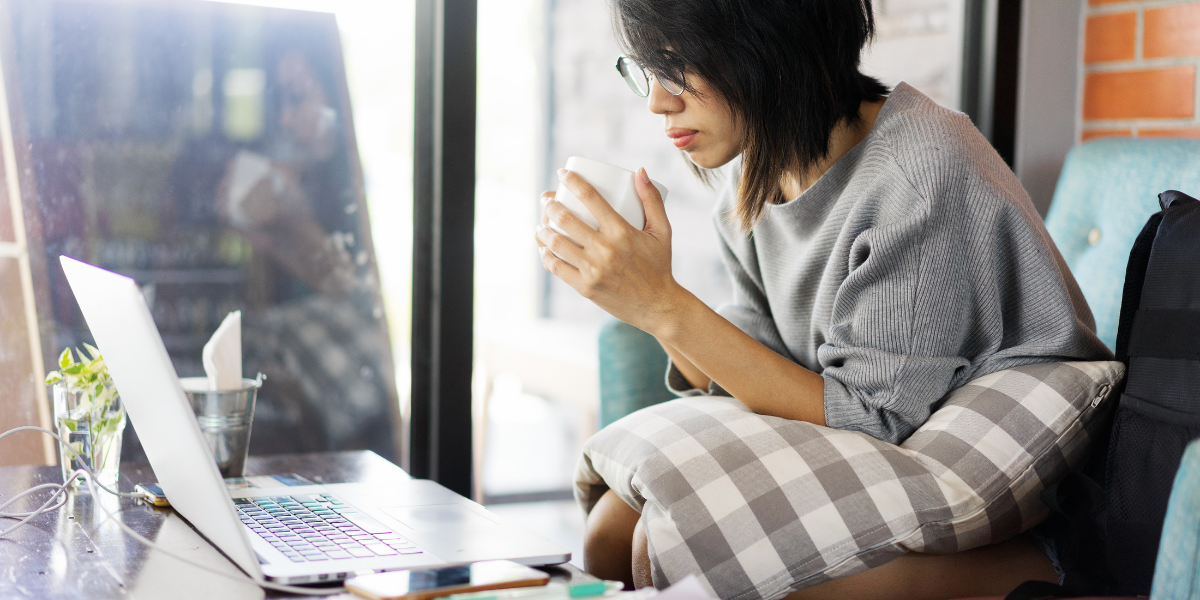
223, 354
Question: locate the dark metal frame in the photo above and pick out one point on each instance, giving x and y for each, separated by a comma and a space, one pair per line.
991, 64
440, 427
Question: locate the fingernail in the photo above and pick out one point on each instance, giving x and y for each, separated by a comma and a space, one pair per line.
562, 174
545, 200
642, 174
539, 229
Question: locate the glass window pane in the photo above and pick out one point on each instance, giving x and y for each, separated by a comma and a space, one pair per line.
209, 151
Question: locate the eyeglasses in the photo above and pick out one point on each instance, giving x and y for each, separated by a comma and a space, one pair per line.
638, 78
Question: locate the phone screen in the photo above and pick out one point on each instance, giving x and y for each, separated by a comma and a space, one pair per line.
487, 575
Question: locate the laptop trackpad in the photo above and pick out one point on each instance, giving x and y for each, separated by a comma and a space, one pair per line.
438, 517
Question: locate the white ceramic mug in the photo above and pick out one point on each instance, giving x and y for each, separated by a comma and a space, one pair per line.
613, 183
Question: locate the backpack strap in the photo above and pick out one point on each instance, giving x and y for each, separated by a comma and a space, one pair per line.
1135, 277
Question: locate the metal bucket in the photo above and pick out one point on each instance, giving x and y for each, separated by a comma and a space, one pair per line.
225, 417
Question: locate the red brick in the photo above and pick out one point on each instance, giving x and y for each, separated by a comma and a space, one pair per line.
1110, 37
1146, 94
1100, 133
1172, 31
1182, 132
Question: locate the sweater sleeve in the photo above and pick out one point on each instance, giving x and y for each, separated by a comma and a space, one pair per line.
895, 342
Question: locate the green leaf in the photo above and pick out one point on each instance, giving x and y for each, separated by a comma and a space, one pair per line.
65, 359
73, 369
93, 351
53, 377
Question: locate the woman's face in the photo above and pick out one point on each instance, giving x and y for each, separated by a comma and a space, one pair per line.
700, 124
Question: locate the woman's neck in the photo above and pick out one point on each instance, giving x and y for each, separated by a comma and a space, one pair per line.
844, 137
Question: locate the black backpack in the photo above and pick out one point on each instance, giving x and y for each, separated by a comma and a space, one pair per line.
1107, 518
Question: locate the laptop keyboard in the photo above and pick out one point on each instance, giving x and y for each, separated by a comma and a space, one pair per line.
319, 527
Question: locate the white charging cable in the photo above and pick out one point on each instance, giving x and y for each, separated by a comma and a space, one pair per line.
58, 499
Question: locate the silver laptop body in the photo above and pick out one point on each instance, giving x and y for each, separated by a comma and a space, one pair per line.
342, 528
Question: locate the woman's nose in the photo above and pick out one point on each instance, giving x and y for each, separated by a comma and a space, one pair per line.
661, 102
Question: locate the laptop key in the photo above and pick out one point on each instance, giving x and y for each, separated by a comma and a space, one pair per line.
360, 552
384, 551
407, 552
338, 554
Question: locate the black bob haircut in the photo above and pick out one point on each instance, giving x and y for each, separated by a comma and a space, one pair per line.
789, 70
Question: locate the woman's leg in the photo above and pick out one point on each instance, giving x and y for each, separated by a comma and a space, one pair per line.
989, 571
641, 557
608, 543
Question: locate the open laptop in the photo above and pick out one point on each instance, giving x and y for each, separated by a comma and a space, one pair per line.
298, 534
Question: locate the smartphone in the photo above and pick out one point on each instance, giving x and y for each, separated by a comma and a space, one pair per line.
421, 585
152, 493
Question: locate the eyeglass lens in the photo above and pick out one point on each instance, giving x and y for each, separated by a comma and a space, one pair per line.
639, 80
634, 75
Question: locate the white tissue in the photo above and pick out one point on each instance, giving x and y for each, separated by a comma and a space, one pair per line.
223, 354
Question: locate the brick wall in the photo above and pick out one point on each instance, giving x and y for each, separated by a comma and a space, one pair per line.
1140, 60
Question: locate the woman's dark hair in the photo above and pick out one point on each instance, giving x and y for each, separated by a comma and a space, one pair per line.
789, 70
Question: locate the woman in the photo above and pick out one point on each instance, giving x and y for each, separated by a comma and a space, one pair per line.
882, 253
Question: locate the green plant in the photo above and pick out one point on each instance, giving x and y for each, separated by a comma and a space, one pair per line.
97, 409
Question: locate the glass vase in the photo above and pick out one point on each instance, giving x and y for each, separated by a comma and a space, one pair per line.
91, 433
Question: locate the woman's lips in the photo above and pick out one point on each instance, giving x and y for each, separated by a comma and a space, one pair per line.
682, 138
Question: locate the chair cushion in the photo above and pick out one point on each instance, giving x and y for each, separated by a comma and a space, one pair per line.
759, 506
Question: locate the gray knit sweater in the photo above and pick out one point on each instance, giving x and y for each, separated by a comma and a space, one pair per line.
914, 265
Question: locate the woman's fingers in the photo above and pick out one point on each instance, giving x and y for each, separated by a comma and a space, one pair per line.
652, 203
560, 245
591, 199
559, 267
567, 221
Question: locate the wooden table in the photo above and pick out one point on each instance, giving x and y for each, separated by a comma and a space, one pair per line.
77, 553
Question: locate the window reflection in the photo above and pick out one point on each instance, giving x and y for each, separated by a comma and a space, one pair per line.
206, 150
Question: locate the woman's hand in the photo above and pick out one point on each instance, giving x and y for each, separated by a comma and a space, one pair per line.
628, 273
622, 270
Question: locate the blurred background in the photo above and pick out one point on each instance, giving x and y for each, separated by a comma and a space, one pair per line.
259, 157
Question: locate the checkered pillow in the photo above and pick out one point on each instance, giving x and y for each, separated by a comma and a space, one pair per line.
759, 506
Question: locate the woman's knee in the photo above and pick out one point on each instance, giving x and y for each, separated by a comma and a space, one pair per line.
609, 538
611, 520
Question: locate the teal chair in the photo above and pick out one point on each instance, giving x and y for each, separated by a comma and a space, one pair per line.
1177, 570
1107, 190
633, 369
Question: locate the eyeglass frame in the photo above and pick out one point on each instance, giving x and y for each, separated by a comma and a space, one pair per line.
646, 75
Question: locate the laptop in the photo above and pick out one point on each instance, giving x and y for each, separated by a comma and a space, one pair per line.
289, 534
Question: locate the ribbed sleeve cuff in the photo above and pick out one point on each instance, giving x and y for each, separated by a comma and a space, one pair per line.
678, 384
844, 411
